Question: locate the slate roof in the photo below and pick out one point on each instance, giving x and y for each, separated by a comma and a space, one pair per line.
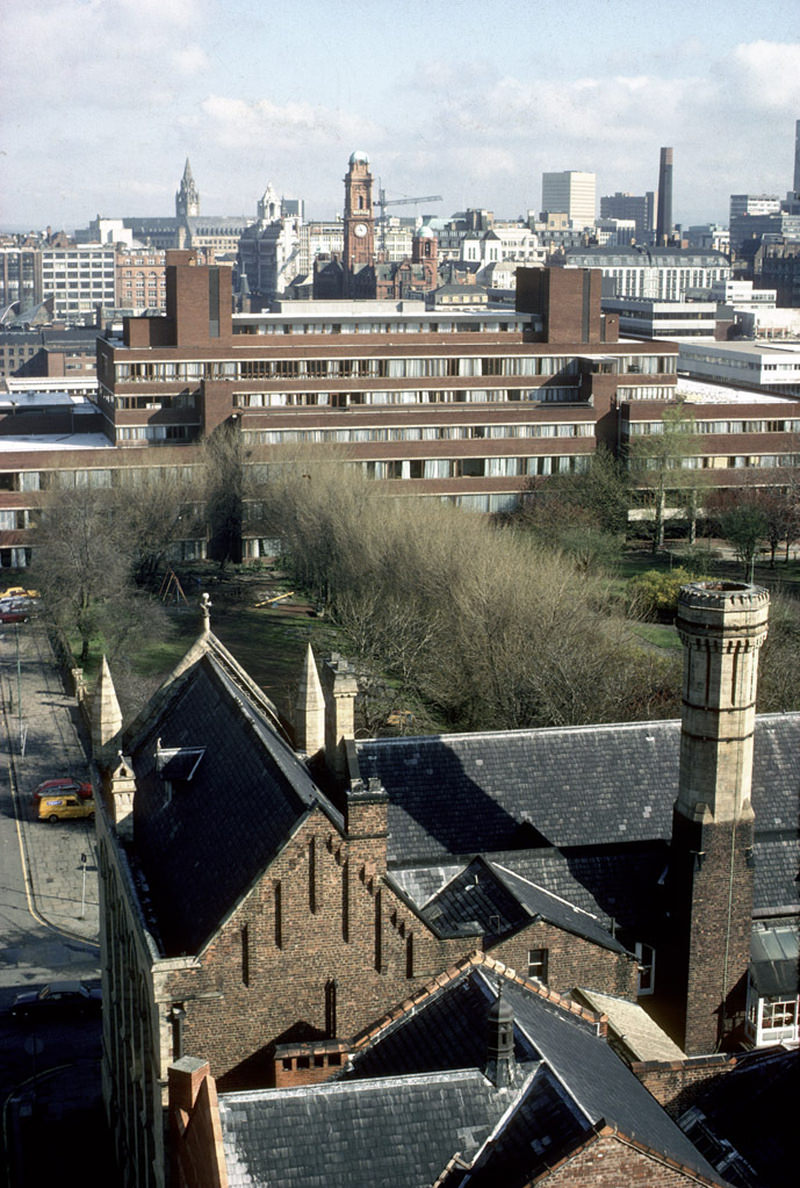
415, 1096
582, 787
401, 1132
490, 900
752, 1111
216, 832
556, 1049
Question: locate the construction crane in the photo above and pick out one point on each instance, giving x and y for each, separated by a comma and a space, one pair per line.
382, 202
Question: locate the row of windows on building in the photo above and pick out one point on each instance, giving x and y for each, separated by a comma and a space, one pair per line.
477, 325
648, 428
419, 433
547, 393
384, 368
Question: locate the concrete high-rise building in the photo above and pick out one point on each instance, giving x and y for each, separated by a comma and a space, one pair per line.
664, 215
797, 159
639, 207
572, 192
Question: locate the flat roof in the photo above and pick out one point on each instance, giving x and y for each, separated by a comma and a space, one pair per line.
699, 392
38, 443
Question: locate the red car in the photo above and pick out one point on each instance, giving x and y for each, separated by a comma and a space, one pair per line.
62, 787
15, 610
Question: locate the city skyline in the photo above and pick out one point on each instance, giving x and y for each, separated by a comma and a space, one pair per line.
107, 98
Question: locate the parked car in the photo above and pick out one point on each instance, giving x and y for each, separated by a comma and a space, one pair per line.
18, 592
63, 786
65, 808
15, 610
59, 1000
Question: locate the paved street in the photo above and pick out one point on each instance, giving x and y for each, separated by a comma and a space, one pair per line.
49, 1080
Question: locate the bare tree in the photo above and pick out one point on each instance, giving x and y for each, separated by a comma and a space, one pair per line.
81, 566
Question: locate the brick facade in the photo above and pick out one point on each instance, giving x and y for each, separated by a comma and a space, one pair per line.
611, 1160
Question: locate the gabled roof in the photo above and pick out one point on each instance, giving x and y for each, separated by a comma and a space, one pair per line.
415, 1102
582, 787
490, 900
569, 1080
219, 792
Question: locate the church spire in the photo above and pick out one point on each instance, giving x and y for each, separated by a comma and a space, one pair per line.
187, 199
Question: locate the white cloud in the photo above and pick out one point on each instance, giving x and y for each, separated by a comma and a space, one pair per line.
769, 73
191, 60
240, 123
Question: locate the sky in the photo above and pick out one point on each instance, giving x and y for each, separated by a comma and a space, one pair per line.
103, 101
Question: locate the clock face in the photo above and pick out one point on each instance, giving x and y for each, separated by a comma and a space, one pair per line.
360, 230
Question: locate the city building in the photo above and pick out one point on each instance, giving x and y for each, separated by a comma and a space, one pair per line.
641, 317
573, 193
625, 206
79, 278
777, 264
258, 932
761, 366
664, 224
462, 407
657, 273
141, 280
269, 249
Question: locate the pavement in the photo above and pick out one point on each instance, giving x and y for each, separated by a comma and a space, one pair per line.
51, 917
45, 738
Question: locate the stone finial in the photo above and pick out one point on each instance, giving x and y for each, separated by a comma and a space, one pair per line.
205, 606
310, 708
106, 717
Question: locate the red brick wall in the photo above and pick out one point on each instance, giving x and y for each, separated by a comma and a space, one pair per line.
610, 1161
337, 920
572, 961
716, 961
677, 1084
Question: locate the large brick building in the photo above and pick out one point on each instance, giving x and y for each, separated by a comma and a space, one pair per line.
266, 894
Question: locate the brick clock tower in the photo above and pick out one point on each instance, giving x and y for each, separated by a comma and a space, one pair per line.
722, 626
359, 219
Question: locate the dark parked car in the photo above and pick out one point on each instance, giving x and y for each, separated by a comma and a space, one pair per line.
59, 1000
64, 786
15, 610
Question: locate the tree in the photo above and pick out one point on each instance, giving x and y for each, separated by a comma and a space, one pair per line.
82, 568
658, 462
224, 485
152, 512
744, 525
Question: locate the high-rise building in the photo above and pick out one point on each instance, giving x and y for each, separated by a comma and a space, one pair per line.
638, 207
797, 159
664, 215
572, 192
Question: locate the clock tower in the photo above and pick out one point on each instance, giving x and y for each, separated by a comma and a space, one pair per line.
359, 221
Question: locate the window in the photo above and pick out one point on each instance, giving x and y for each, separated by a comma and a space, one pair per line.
537, 964
646, 957
245, 936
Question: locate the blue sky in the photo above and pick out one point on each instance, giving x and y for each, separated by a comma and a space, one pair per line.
104, 100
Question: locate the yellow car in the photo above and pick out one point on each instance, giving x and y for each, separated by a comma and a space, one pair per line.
65, 808
19, 592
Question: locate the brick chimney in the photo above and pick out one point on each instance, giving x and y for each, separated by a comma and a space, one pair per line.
722, 625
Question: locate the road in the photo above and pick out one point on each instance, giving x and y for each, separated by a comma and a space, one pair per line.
49, 920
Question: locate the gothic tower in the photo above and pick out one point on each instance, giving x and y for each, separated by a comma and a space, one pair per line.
359, 220
187, 199
722, 625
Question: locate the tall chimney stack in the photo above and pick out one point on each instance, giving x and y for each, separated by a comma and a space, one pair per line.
722, 626
664, 214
